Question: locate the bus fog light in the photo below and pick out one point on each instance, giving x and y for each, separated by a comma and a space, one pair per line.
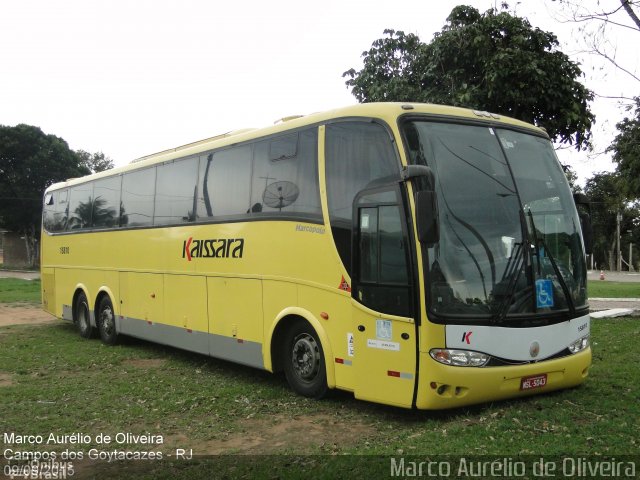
459, 358
579, 344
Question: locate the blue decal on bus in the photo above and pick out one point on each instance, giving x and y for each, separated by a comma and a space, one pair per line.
544, 293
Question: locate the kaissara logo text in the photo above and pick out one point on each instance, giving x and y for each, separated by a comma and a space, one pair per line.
212, 248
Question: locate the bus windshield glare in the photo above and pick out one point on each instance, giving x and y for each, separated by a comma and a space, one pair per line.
510, 246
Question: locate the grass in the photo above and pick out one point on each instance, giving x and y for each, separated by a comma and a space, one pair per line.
16, 290
607, 289
58, 382
52, 381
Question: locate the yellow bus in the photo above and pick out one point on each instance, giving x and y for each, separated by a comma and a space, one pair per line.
416, 255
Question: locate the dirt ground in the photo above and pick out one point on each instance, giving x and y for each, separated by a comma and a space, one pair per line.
23, 314
24, 275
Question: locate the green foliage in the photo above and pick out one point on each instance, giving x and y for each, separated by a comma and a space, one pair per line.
626, 150
606, 191
572, 178
393, 70
96, 162
30, 161
491, 61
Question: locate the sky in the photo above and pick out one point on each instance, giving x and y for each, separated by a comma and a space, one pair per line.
133, 77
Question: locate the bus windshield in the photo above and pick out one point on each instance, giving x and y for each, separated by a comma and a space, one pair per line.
510, 245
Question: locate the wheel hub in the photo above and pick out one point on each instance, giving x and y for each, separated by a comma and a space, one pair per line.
306, 357
106, 318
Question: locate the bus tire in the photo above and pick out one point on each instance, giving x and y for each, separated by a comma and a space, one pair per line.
106, 320
304, 364
83, 316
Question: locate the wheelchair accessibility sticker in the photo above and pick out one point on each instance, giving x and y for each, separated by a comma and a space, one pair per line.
544, 293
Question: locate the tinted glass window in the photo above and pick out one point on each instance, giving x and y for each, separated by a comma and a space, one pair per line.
382, 280
80, 206
278, 175
285, 175
106, 202
393, 254
56, 211
497, 257
176, 192
136, 208
369, 245
284, 147
225, 183
383, 258
356, 153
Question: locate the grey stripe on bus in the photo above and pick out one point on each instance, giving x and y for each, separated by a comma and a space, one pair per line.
67, 314
227, 348
240, 351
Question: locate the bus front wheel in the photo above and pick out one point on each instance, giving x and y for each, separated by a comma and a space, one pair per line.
304, 365
83, 317
106, 321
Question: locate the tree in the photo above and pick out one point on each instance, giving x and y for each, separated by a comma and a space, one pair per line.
492, 61
30, 161
606, 193
595, 22
96, 162
572, 178
626, 150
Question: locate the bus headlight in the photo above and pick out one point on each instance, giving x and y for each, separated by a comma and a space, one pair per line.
459, 358
579, 344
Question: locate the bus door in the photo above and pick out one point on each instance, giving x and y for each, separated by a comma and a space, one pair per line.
384, 330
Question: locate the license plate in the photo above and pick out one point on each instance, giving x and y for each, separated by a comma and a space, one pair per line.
537, 381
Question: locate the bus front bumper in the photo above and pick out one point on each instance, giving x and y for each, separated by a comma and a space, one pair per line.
444, 386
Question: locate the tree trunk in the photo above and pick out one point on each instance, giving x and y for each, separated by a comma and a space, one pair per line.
31, 246
611, 254
632, 14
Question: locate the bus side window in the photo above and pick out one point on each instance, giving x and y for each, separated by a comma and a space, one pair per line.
80, 207
381, 281
285, 175
106, 201
356, 153
175, 192
136, 207
224, 185
56, 211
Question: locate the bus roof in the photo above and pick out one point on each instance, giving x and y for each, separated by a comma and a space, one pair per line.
387, 111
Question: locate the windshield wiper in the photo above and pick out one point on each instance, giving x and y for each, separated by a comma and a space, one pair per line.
512, 271
519, 263
554, 264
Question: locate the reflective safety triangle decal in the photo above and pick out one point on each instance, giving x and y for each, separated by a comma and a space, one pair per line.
344, 285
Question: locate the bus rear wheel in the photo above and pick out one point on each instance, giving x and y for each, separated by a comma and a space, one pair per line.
83, 316
106, 321
304, 365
